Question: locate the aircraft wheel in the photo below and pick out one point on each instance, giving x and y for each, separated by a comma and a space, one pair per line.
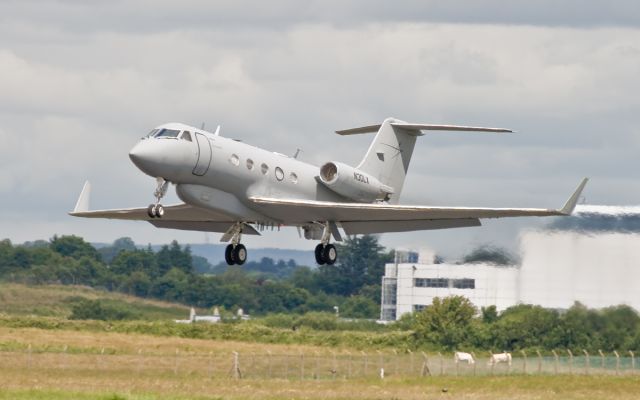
330, 254
159, 211
319, 254
228, 255
150, 211
240, 254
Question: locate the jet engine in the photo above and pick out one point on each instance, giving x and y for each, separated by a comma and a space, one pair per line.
353, 183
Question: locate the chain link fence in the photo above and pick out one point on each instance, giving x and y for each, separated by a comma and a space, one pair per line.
311, 365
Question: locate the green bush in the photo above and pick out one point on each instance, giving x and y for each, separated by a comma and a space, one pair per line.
98, 310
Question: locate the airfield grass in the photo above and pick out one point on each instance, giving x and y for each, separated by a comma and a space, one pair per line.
80, 374
57, 301
76, 385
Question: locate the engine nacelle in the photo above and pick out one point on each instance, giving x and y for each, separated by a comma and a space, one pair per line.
353, 183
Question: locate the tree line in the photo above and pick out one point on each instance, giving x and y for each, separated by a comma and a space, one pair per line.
171, 274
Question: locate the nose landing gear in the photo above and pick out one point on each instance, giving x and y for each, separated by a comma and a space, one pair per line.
156, 210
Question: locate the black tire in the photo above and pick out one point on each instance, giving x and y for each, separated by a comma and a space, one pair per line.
319, 254
150, 211
330, 254
240, 254
228, 255
159, 211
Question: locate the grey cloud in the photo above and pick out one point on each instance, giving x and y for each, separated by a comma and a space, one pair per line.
77, 91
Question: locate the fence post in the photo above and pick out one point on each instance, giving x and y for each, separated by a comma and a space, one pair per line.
425, 365
64, 357
474, 362
350, 362
236, 365
617, 361
570, 361
601, 359
555, 363
366, 362
334, 370
633, 361
539, 361
524, 365
301, 365
139, 360
441, 364
175, 365
381, 369
455, 359
316, 366
587, 361
492, 364
101, 358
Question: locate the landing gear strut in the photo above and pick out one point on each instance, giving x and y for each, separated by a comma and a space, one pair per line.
325, 252
156, 210
235, 252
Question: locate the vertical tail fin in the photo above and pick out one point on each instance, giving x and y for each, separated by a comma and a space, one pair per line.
390, 152
389, 155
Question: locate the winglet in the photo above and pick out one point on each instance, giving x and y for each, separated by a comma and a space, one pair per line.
83, 201
570, 205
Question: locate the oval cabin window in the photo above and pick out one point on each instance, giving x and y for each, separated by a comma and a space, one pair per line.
234, 160
264, 168
279, 173
249, 164
293, 177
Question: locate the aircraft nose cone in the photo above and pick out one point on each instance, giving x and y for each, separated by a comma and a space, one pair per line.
145, 156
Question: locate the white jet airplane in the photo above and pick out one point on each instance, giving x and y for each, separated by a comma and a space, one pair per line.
233, 188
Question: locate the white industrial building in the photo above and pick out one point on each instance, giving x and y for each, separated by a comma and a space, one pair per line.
593, 258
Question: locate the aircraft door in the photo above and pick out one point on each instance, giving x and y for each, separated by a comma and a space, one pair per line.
204, 155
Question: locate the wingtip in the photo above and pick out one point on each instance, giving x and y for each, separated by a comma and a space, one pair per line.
570, 205
83, 200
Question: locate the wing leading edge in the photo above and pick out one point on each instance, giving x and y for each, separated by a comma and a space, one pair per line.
177, 216
377, 218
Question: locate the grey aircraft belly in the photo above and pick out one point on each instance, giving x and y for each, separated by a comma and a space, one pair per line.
230, 187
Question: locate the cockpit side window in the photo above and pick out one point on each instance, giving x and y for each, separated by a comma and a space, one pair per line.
153, 132
186, 136
167, 133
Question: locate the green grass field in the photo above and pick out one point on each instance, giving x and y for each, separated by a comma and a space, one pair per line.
139, 366
44, 356
57, 300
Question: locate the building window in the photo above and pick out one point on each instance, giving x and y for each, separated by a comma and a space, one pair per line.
249, 164
279, 173
464, 283
418, 307
431, 282
264, 168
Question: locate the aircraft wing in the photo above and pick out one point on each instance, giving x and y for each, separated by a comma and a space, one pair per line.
177, 216
358, 218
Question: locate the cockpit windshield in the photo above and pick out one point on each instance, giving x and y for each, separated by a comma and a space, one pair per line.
167, 133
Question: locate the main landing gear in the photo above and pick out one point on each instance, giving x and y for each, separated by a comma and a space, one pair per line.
325, 252
156, 210
235, 252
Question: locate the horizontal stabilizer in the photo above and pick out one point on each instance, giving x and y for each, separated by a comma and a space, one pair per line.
460, 128
417, 128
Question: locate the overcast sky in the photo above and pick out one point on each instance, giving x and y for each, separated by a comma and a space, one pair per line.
82, 81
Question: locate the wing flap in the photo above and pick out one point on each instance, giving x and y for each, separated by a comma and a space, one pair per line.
367, 227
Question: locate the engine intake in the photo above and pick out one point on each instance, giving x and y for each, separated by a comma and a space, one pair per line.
353, 183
